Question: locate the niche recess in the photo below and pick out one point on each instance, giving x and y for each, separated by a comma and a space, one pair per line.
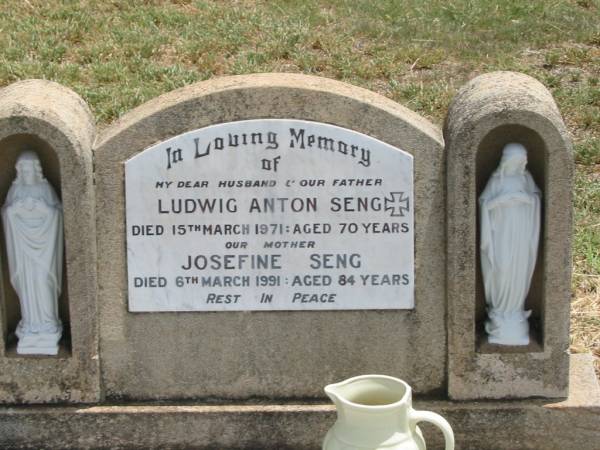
487, 160
489, 112
10, 148
56, 123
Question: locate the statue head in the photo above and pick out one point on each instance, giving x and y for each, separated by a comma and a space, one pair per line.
29, 169
514, 159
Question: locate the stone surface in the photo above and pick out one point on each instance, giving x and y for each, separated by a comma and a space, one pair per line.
478, 425
58, 125
267, 215
281, 354
275, 363
489, 112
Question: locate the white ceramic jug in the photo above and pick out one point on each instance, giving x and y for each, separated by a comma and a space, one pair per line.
375, 412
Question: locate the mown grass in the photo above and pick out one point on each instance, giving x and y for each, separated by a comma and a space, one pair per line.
119, 54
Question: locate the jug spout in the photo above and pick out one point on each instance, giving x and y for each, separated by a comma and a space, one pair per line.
333, 392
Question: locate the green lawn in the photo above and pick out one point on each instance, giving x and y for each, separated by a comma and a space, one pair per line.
119, 54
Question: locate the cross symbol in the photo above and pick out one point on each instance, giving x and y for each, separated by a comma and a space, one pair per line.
397, 204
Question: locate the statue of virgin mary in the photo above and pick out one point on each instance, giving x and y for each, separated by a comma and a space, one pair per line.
510, 229
32, 219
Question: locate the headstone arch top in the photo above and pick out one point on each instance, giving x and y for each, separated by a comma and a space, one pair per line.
410, 343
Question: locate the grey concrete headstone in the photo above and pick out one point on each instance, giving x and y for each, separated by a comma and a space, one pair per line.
277, 353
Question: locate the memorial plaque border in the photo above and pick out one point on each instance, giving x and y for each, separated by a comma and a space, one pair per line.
150, 163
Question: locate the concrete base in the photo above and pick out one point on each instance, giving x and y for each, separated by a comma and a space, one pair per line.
519, 424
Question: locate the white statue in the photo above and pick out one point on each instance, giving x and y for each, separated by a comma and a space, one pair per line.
510, 230
32, 219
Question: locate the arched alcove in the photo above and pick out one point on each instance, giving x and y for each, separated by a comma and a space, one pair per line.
55, 123
10, 148
488, 157
490, 111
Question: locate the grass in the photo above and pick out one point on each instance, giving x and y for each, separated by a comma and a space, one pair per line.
119, 54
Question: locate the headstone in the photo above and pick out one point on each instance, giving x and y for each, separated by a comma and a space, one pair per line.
244, 341
258, 237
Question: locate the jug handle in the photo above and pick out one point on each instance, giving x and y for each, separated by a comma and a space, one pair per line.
438, 421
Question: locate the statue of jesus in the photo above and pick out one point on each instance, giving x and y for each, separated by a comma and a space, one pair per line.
32, 219
510, 230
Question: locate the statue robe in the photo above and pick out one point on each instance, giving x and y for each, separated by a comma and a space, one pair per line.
510, 228
34, 244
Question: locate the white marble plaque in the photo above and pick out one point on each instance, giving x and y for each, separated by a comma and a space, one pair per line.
270, 214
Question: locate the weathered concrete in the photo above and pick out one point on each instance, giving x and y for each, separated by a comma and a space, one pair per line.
266, 361
57, 123
237, 355
490, 111
483, 425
